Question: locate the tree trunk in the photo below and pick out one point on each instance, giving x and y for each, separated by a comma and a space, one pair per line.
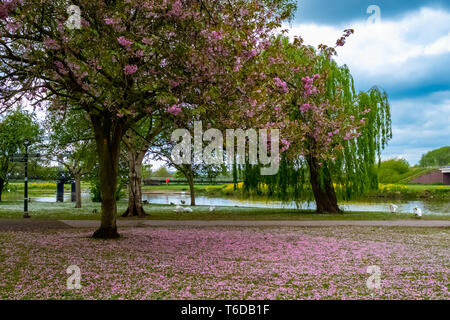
322, 186
2, 186
134, 185
78, 191
107, 137
190, 178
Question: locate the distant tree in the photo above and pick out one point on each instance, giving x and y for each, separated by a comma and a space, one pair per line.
15, 127
436, 158
211, 172
162, 172
71, 143
146, 171
41, 170
390, 170
137, 141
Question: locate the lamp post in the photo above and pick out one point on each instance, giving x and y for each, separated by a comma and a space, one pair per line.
26, 143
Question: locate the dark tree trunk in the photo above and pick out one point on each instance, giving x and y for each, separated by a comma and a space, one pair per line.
107, 137
134, 185
78, 191
2, 186
322, 187
190, 178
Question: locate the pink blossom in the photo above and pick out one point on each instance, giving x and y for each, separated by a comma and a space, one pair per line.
112, 21
51, 44
286, 145
12, 27
216, 35
147, 41
305, 107
61, 68
176, 9
139, 53
130, 69
124, 42
254, 52
249, 113
174, 110
281, 84
174, 83
237, 65
340, 42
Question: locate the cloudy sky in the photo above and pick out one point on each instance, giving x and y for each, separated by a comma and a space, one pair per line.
405, 52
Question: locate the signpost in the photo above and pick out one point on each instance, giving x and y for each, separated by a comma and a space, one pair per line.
20, 157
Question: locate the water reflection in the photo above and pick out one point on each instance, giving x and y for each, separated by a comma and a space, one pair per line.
428, 207
375, 205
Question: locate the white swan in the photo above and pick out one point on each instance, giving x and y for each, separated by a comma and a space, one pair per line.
212, 208
179, 209
418, 212
393, 207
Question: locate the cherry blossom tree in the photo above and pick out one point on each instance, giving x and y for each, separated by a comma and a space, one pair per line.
125, 60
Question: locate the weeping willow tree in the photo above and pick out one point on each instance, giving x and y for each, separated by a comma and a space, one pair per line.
333, 135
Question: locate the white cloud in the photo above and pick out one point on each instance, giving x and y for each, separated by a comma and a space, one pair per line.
408, 55
391, 48
419, 125
440, 46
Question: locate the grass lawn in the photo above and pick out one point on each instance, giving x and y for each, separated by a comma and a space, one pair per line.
227, 263
66, 211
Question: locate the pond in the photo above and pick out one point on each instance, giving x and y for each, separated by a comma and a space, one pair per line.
373, 205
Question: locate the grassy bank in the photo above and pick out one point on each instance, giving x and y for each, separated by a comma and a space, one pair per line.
413, 191
90, 210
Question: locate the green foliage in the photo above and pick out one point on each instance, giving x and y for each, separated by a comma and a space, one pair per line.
37, 170
96, 192
399, 171
146, 171
391, 170
93, 177
162, 172
15, 127
71, 141
399, 166
179, 175
436, 158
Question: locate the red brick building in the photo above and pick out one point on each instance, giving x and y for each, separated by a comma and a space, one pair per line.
436, 176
